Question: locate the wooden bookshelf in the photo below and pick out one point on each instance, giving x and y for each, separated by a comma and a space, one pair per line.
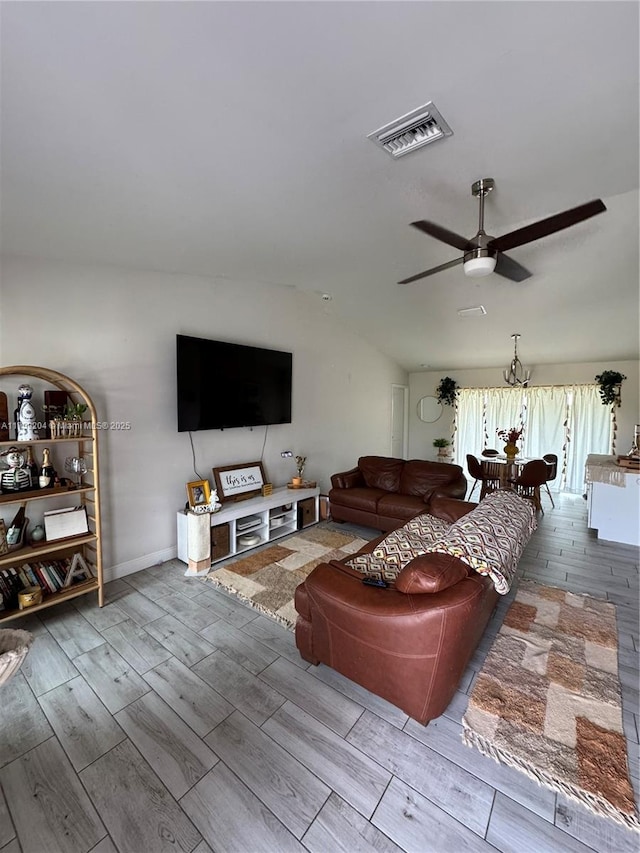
87, 494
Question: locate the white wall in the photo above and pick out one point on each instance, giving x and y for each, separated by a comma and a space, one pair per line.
113, 331
421, 435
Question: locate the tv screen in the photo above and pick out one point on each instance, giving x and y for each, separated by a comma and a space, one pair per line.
223, 385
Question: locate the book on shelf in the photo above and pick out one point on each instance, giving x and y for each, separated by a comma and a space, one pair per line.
59, 572
43, 581
31, 575
10, 590
50, 575
52, 578
16, 579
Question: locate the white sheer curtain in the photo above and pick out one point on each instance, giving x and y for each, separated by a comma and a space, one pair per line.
469, 417
505, 408
589, 431
547, 420
569, 421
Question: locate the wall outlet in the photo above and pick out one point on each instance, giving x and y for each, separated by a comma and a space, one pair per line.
286, 454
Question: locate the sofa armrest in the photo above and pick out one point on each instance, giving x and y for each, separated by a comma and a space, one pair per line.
457, 489
348, 479
333, 587
450, 509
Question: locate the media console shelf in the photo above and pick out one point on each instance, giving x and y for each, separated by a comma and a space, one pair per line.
245, 525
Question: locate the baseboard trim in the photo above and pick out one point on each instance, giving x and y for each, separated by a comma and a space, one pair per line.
121, 570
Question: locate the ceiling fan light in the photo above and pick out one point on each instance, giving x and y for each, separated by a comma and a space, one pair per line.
477, 267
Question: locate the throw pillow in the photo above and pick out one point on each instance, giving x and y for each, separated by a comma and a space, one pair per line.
431, 573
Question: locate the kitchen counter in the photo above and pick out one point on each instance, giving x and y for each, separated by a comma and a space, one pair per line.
613, 497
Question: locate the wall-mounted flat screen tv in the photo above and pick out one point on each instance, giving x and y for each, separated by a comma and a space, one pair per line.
223, 385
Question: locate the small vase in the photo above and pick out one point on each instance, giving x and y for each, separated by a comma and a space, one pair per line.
511, 451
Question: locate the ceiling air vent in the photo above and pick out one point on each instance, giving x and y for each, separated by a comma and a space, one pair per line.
411, 131
476, 311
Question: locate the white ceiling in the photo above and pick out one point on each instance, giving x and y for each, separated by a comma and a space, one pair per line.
229, 139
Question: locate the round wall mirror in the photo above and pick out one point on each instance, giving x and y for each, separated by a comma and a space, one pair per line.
429, 409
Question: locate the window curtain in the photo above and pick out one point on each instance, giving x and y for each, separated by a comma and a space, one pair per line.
469, 418
505, 408
547, 422
569, 421
589, 431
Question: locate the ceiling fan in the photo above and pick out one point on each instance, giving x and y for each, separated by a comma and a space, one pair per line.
484, 254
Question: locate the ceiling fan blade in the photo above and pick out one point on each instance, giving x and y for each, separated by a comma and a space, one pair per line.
511, 269
442, 234
432, 271
547, 226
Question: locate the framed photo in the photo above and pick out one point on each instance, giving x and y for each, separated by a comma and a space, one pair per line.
238, 482
198, 493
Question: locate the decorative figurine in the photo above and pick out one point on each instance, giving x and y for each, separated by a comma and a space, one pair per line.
213, 506
15, 478
26, 418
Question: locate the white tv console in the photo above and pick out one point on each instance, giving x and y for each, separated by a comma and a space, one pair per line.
267, 518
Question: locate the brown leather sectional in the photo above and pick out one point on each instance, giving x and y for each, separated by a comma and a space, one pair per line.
384, 492
409, 644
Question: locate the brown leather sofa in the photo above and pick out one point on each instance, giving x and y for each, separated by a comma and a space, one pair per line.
410, 643
384, 492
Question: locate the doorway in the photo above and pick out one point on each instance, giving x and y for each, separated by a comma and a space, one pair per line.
399, 421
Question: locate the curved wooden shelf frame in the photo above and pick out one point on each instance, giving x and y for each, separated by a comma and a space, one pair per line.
65, 383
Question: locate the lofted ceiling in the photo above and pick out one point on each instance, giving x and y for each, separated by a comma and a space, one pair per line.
230, 140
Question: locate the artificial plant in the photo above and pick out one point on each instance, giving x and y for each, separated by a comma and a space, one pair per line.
447, 390
610, 382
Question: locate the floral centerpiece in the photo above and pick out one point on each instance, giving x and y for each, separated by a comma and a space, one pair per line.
510, 435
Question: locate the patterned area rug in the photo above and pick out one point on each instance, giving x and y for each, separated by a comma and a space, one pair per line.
547, 700
267, 579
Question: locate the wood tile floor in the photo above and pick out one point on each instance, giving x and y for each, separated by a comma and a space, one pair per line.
177, 719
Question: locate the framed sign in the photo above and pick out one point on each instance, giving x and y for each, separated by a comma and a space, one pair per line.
60, 523
198, 493
238, 482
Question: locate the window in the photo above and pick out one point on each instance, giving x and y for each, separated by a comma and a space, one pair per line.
569, 421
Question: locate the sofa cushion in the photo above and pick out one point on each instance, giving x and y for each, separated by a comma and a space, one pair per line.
431, 573
400, 506
492, 537
421, 478
381, 472
359, 498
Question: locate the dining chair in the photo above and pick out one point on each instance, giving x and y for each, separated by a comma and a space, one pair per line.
492, 477
489, 451
475, 469
552, 462
533, 475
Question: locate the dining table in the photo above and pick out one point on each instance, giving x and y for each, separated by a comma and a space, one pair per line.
509, 467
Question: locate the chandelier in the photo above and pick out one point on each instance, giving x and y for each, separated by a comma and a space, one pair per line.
516, 374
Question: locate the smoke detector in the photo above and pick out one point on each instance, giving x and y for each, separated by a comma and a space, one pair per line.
411, 131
